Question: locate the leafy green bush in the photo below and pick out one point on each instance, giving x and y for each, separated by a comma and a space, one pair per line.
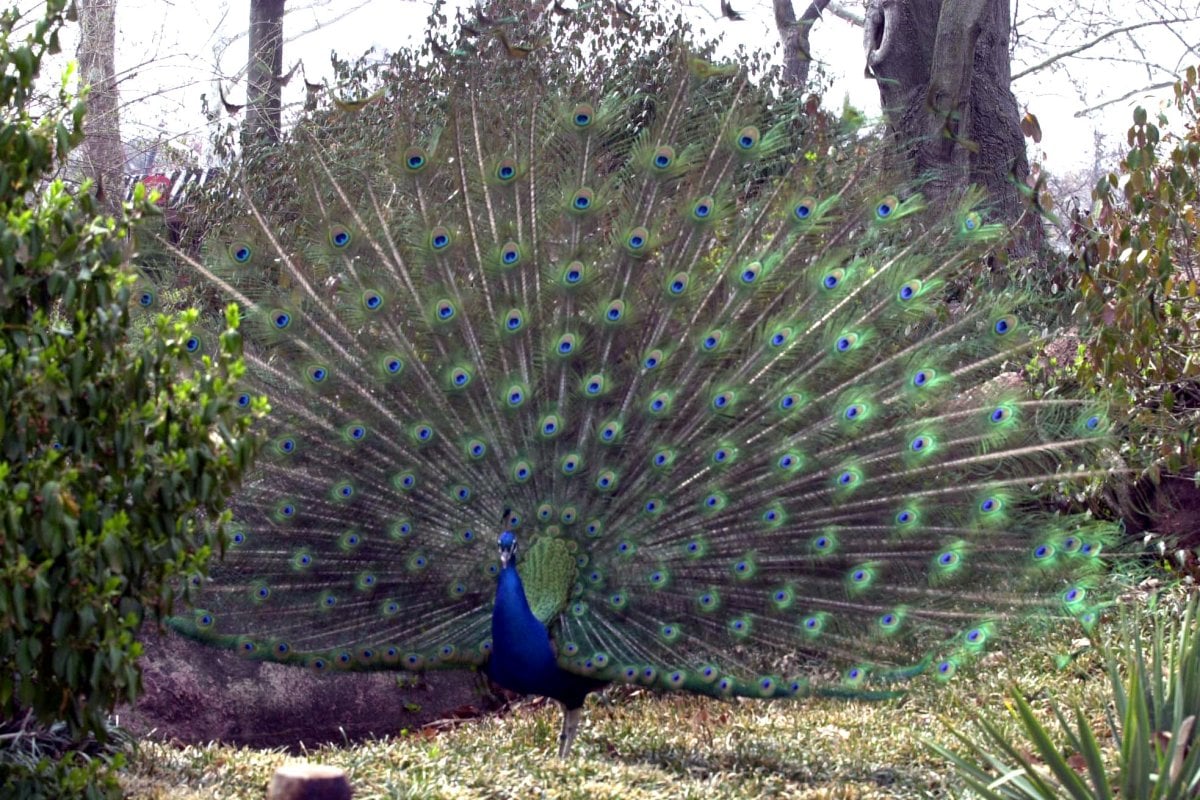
1141, 283
1155, 751
119, 444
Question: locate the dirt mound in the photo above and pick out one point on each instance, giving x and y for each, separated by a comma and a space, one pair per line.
195, 694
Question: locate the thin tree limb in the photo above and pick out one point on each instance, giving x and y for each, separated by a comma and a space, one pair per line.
1151, 88
1086, 45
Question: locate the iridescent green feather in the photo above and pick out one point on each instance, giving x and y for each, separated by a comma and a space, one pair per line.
716, 391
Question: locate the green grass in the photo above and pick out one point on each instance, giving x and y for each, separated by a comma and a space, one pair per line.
636, 744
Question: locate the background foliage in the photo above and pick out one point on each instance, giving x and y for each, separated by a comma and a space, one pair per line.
1139, 253
120, 437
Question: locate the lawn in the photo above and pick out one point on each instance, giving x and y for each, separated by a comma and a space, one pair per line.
637, 744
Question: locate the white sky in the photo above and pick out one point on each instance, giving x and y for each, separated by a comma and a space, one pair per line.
170, 52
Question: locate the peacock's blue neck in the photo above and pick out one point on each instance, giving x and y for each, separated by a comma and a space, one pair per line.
522, 658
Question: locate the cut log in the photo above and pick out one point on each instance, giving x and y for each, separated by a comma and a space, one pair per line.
309, 782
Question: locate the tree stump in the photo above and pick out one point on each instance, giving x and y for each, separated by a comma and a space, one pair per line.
309, 782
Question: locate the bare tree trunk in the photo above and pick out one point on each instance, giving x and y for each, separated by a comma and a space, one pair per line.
263, 112
103, 155
943, 72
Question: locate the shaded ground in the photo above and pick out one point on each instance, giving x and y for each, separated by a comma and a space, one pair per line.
196, 694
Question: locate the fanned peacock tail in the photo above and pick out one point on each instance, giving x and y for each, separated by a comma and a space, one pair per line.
746, 445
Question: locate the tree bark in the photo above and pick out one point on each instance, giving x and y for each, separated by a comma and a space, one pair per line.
103, 155
264, 107
944, 77
797, 54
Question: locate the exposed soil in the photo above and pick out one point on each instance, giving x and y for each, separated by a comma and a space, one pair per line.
195, 694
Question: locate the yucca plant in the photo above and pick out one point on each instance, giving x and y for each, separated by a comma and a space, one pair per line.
1155, 750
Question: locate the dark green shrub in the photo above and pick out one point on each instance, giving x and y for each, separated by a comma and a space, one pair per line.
120, 441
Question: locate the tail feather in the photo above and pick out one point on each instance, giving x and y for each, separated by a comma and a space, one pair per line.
780, 463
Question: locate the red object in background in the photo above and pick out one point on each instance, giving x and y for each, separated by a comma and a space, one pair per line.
159, 183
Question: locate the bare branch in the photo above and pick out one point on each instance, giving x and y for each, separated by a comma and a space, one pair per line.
841, 12
1096, 41
1151, 88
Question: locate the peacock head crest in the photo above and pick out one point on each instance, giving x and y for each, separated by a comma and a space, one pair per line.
508, 548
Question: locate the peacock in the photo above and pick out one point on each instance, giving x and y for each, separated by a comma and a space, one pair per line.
659, 383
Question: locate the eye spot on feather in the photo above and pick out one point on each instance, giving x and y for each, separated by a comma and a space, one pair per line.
886, 207
747, 138
582, 199
414, 159
510, 254
909, 290
803, 210
146, 298
573, 273
339, 237
609, 431
722, 400
582, 116
751, 273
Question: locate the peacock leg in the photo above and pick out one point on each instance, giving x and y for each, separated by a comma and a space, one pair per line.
570, 729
